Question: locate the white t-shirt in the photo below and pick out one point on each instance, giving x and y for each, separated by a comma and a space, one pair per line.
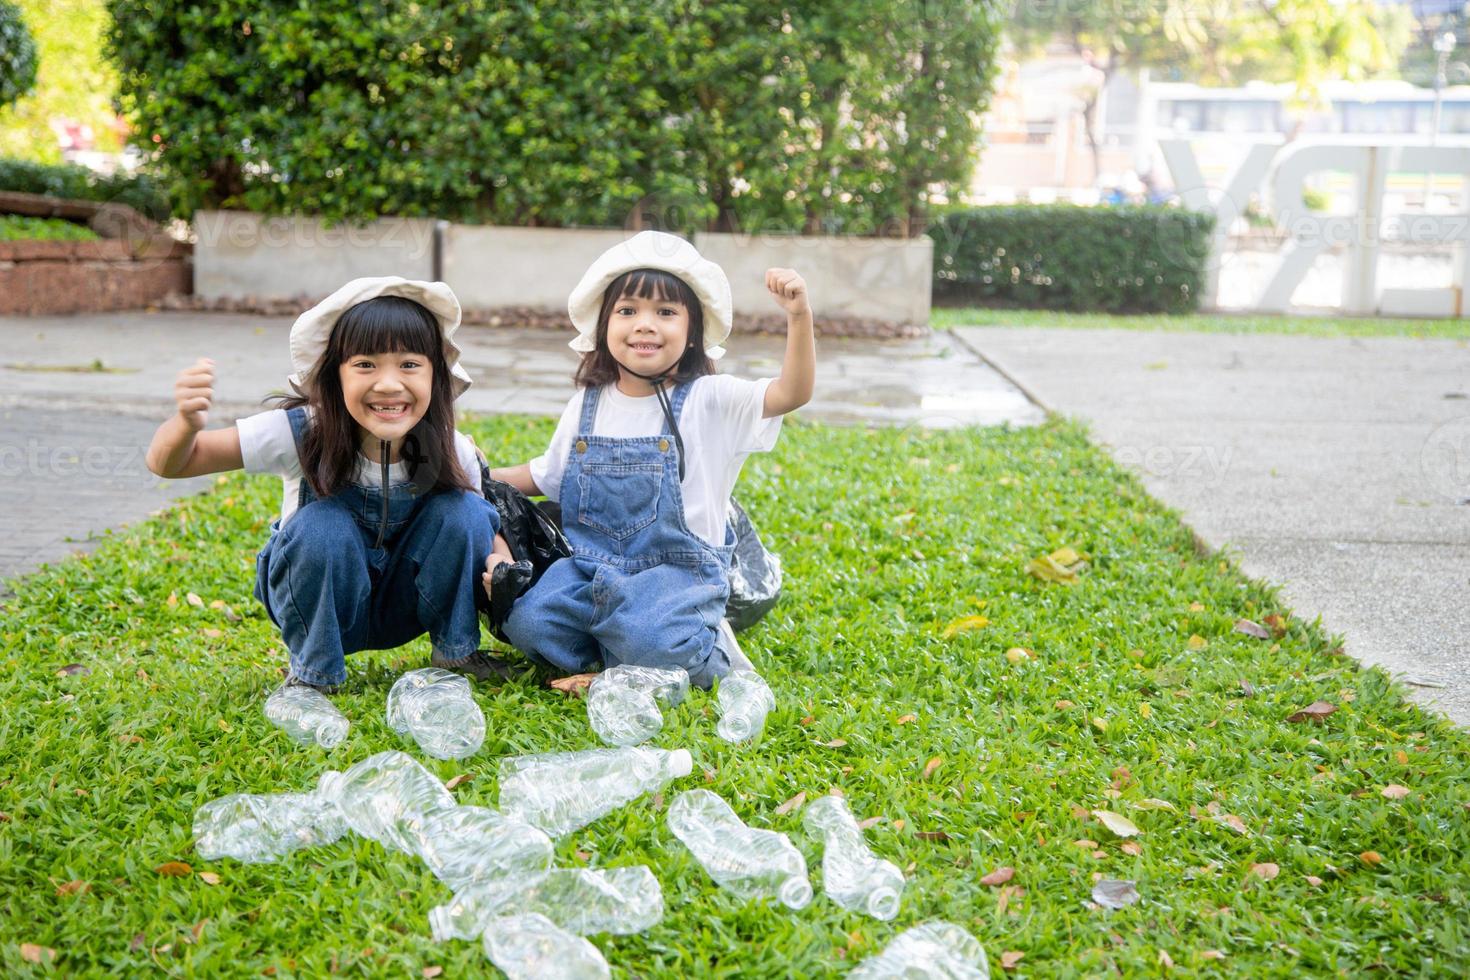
266, 446
720, 424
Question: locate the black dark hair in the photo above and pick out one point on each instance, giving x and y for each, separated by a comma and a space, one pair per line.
598, 366
387, 324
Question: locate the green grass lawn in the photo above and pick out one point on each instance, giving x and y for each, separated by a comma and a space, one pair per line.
1135, 688
944, 318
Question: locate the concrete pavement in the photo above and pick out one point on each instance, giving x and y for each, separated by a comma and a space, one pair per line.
1337, 468
72, 431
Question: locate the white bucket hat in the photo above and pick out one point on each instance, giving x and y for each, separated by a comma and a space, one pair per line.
310, 332
666, 253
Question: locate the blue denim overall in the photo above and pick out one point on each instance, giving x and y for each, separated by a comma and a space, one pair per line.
640, 587
333, 591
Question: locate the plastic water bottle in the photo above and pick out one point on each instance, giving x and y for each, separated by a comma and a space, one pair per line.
306, 715
560, 792
387, 797
932, 951
745, 699
470, 844
621, 901
532, 947
623, 701
750, 862
438, 709
852, 875
263, 828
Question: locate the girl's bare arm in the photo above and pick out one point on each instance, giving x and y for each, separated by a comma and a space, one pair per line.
182, 447
793, 388
518, 477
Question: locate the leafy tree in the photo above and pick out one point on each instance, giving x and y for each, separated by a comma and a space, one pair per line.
73, 82
722, 114
1223, 42
17, 55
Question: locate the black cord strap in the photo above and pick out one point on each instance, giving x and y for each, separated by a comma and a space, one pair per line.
383, 448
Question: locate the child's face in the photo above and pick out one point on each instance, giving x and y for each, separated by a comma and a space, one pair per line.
648, 335
386, 394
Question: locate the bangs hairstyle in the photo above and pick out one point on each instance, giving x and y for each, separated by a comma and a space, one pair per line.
598, 366
329, 453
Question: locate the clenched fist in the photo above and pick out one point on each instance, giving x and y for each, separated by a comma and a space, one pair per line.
194, 392
788, 289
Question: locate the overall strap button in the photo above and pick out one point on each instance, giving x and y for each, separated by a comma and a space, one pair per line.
663, 445
581, 445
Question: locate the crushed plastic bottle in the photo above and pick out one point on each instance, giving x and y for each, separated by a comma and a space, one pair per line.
931, 951
306, 715
750, 862
623, 701
621, 901
532, 947
852, 875
262, 828
387, 797
560, 792
437, 708
745, 699
470, 844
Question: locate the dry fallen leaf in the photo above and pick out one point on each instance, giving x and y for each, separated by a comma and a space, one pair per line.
931, 835
430, 972
899, 824
71, 887
836, 743
1117, 823
791, 804
905, 719
870, 822
1016, 655
1061, 567
1371, 857
575, 685
1196, 607
1010, 958
1266, 870
1131, 847
998, 877
1252, 629
1211, 954
459, 780
1114, 893
1277, 624
32, 953
807, 720
1197, 642
1090, 845
130, 739
209, 877
1314, 881
932, 765
1316, 711
174, 869
1233, 822
1063, 704
965, 624
212, 633
1165, 960
1394, 791
194, 600
70, 669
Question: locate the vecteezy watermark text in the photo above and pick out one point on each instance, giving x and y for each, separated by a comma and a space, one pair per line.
36, 459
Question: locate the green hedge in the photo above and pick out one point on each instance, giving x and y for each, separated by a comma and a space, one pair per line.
1065, 257
19, 228
751, 115
139, 192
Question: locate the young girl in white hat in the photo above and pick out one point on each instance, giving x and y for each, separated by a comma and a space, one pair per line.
382, 529
643, 462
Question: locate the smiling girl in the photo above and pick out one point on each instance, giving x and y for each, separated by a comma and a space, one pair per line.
381, 533
643, 462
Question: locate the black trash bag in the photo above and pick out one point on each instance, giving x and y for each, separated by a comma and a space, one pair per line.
535, 543
755, 573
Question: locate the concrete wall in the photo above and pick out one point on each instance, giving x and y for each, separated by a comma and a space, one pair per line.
243, 255
491, 267
882, 279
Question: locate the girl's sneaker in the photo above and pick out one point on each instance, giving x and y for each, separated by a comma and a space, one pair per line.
479, 665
